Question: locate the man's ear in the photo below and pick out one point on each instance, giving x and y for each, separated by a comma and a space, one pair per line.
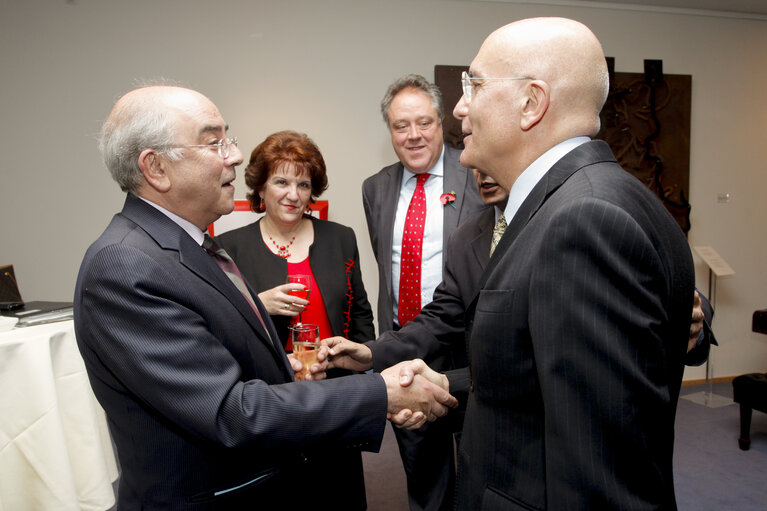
153, 167
538, 96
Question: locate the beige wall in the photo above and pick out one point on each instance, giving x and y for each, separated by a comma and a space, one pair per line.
322, 67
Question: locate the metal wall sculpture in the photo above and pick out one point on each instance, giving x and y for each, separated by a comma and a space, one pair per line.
646, 121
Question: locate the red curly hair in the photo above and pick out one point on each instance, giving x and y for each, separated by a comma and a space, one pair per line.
284, 147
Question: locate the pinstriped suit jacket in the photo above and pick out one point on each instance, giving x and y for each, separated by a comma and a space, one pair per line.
576, 348
197, 397
380, 193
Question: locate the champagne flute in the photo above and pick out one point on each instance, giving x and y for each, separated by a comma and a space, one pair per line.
305, 281
306, 346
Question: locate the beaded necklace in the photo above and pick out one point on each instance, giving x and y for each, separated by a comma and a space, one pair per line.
283, 250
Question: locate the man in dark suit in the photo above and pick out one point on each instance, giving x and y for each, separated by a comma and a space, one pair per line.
180, 352
438, 332
580, 328
412, 110
440, 327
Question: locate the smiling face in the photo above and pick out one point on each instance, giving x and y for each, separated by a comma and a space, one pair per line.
416, 132
201, 185
286, 194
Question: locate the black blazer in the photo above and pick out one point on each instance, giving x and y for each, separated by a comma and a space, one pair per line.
380, 193
334, 259
198, 398
333, 251
577, 343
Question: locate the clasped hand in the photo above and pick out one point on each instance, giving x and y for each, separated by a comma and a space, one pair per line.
416, 392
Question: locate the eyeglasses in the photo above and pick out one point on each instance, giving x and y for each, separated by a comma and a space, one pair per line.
224, 146
468, 85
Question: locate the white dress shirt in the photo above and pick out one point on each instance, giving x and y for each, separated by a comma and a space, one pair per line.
535, 172
431, 251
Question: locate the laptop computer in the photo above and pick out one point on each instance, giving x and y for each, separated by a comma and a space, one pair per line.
38, 313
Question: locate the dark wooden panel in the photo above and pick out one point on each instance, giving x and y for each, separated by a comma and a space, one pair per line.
646, 123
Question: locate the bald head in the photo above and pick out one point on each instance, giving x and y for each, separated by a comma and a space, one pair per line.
535, 83
566, 55
145, 118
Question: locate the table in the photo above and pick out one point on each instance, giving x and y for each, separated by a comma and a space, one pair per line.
55, 449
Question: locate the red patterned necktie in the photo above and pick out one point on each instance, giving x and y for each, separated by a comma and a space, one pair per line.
410, 264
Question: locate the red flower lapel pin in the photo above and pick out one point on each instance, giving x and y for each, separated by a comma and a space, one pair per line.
447, 198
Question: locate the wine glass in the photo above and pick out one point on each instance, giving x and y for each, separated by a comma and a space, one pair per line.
304, 280
306, 346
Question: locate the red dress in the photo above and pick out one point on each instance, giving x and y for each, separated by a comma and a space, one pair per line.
315, 313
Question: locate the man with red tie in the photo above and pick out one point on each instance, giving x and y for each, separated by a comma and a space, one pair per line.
411, 208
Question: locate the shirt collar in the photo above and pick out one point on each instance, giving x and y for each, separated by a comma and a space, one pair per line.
498, 212
437, 170
535, 172
197, 235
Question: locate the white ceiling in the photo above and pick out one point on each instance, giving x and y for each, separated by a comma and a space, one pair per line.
749, 9
743, 6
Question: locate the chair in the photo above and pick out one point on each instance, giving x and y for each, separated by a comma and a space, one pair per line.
750, 390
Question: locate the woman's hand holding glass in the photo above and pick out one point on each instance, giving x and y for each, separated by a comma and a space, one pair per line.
278, 300
302, 287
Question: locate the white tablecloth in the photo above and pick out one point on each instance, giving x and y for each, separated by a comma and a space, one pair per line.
55, 450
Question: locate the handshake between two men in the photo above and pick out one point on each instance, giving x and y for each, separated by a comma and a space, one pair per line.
416, 393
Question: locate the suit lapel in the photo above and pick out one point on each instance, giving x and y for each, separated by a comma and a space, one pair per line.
454, 180
480, 244
388, 203
575, 160
170, 236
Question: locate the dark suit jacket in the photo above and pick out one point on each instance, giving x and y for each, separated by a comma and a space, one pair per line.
334, 246
577, 345
198, 398
437, 334
380, 193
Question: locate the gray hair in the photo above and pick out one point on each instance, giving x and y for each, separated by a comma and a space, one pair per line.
416, 82
133, 126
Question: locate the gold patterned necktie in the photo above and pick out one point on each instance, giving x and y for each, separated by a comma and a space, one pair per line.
498, 230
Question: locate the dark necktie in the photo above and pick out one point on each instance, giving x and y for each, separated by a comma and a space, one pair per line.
230, 269
410, 263
498, 230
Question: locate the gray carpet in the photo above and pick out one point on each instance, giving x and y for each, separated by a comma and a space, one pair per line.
711, 472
